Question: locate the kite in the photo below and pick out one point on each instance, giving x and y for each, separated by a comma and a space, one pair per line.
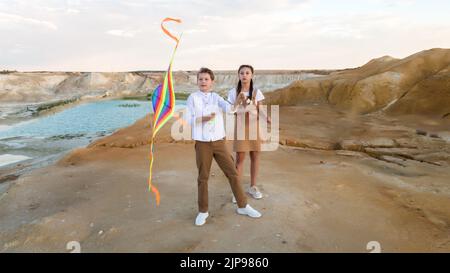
163, 103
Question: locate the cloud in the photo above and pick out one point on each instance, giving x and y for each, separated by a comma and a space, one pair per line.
194, 30
219, 47
6, 19
72, 11
123, 33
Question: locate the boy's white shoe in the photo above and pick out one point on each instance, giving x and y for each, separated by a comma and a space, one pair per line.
249, 211
255, 193
201, 218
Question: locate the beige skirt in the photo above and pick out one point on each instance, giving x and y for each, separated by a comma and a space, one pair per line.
246, 144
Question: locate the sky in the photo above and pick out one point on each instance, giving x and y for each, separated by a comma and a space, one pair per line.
125, 35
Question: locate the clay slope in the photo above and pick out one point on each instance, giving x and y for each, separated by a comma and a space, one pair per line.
418, 84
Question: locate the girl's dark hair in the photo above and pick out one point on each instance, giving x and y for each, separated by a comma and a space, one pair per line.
239, 86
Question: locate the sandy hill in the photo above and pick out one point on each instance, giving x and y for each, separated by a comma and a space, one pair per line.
418, 84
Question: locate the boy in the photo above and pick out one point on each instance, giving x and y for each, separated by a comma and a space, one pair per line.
205, 116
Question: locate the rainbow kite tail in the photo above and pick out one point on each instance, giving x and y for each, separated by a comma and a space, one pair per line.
163, 102
150, 186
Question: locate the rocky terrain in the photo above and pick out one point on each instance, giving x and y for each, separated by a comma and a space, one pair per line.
33, 87
335, 184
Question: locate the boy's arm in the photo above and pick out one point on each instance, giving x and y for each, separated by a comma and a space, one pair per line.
206, 118
229, 106
193, 116
226, 106
230, 98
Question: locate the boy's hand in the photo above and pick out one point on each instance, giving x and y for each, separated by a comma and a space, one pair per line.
212, 116
208, 118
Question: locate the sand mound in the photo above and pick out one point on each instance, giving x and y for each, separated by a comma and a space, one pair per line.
418, 84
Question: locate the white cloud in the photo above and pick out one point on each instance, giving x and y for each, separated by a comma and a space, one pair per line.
72, 11
7, 19
123, 33
194, 30
219, 47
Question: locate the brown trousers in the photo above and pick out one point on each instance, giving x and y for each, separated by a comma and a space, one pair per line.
205, 152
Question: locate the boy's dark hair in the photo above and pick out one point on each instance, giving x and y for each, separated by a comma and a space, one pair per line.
206, 70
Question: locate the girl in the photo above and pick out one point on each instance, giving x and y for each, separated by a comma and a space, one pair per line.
248, 99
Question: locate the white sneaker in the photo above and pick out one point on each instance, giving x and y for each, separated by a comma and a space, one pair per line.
249, 211
233, 200
201, 218
255, 193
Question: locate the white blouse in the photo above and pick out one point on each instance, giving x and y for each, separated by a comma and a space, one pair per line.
232, 95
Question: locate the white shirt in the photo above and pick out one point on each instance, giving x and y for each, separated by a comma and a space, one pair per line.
200, 104
232, 95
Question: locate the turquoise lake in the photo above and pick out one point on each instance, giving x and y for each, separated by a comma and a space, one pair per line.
47, 137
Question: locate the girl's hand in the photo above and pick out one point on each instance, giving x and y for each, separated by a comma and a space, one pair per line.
241, 98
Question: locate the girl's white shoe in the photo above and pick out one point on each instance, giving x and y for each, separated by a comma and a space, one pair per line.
255, 193
249, 211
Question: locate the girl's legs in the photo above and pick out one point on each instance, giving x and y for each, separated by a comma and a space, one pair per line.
254, 156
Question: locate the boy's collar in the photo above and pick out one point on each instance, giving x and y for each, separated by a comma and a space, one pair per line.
205, 93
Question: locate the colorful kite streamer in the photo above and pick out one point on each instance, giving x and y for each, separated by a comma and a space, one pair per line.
163, 102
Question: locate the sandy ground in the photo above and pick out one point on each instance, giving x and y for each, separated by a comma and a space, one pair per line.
316, 199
